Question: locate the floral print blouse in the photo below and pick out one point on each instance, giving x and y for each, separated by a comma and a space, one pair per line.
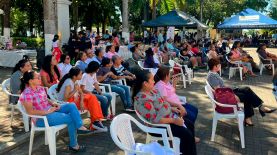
152, 106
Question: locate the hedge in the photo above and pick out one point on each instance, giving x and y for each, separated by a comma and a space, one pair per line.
31, 42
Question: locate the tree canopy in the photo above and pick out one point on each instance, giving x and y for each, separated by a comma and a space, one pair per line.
28, 14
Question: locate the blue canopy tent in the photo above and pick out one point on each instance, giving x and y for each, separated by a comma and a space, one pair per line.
248, 19
177, 19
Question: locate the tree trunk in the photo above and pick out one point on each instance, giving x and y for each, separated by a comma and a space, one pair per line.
154, 12
6, 7
145, 11
75, 14
125, 20
50, 23
98, 29
103, 26
201, 10
31, 18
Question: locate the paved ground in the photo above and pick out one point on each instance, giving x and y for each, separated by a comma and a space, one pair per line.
260, 139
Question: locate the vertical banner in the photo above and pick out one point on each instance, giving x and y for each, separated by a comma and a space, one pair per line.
170, 33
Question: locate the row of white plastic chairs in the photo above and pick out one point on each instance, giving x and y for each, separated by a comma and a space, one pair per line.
50, 136
185, 71
122, 134
50, 131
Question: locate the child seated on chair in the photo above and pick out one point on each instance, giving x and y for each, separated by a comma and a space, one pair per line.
90, 85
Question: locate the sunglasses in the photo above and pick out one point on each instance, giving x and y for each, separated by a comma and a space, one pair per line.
67, 58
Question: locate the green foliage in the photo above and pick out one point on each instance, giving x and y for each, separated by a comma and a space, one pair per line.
31, 42
100, 11
19, 22
32, 11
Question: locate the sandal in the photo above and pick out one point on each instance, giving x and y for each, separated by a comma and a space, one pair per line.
81, 148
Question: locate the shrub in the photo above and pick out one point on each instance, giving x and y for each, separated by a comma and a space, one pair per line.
31, 42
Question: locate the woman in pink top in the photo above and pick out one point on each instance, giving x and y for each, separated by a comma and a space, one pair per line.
110, 51
50, 74
115, 39
237, 56
35, 102
168, 92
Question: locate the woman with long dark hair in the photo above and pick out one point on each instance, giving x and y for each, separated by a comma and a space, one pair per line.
154, 108
34, 100
64, 65
70, 91
50, 73
20, 68
168, 92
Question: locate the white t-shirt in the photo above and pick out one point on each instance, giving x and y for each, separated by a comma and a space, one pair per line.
55, 44
88, 81
64, 68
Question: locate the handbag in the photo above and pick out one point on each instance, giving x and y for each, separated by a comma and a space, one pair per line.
225, 96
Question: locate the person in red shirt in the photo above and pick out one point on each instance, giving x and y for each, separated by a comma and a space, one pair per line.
57, 53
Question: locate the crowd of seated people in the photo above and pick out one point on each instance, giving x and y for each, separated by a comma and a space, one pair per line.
154, 97
106, 76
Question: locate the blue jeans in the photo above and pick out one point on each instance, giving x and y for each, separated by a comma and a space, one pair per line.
105, 100
124, 94
247, 65
69, 115
192, 112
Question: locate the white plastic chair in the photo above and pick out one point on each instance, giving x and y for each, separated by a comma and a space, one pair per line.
263, 65
122, 134
182, 75
52, 93
150, 138
50, 131
232, 69
6, 88
238, 114
188, 71
109, 90
122, 82
152, 70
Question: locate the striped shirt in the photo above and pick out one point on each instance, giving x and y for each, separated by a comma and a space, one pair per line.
119, 71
